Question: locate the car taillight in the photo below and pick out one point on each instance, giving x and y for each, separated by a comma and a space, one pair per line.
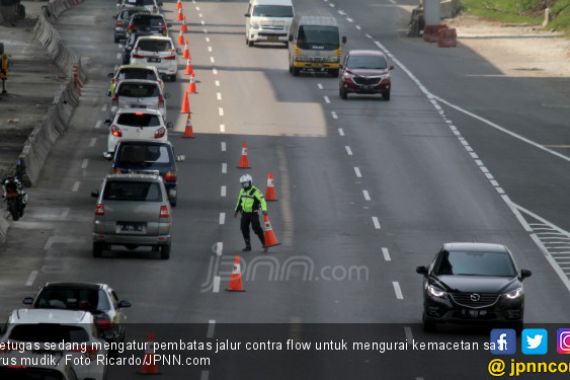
170, 177
160, 133
170, 58
160, 101
99, 209
119, 23
137, 56
164, 212
16, 366
116, 171
103, 323
131, 28
164, 29
115, 131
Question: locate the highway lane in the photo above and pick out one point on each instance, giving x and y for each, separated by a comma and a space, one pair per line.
424, 189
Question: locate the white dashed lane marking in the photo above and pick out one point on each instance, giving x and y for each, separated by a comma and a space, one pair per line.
341, 131
211, 328
32, 278
320, 86
327, 99
222, 218
334, 115
92, 142
220, 111
217, 83
397, 290
219, 96
84, 163
223, 146
223, 191
216, 284
348, 150
224, 168
99, 122
386, 254
357, 172
376, 222
75, 187
366, 195
222, 128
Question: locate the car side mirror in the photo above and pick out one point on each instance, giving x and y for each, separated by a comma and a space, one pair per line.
95, 194
28, 301
290, 38
169, 125
180, 158
107, 122
391, 67
123, 304
525, 273
247, 15
344, 40
110, 75
422, 270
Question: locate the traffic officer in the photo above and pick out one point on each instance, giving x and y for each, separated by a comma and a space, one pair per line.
4, 65
250, 200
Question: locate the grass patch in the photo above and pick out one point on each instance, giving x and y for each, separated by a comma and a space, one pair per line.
508, 11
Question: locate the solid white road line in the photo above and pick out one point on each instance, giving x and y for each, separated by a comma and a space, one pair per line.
219, 248
223, 146
32, 278
92, 142
341, 131
386, 254
327, 100
357, 172
366, 195
222, 218
348, 150
216, 284
223, 191
75, 187
397, 290
222, 128
211, 328
224, 168
376, 222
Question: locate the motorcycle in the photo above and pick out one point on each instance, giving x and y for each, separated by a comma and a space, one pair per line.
14, 195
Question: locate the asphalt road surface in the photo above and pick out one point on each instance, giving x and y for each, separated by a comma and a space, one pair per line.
367, 189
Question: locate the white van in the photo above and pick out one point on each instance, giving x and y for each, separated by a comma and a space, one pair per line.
268, 21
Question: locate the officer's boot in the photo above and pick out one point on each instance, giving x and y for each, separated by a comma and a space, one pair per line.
247, 246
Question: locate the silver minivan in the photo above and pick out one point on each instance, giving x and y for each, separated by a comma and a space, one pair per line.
139, 93
132, 210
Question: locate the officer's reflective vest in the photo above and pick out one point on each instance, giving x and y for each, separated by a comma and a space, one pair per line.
4, 67
251, 200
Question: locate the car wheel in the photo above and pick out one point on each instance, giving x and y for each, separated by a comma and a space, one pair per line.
165, 252
386, 96
98, 249
173, 202
173, 78
250, 43
295, 71
117, 39
333, 73
343, 94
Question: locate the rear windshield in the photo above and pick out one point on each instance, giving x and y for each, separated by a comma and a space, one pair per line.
148, 20
132, 191
127, 13
73, 299
138, 90
377, 62
154, 45
139, 3
138, 119
273, 11
48, 332
29, 374
318, 37
475, 263
143, 155
137, 74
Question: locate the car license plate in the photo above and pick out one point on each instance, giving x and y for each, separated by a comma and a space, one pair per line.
154, 60
273, 38
132, 227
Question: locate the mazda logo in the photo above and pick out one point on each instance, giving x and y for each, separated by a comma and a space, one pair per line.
475, 297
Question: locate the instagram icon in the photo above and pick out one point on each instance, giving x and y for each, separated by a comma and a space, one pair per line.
563, 341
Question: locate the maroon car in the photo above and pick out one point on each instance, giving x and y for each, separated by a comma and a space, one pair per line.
365, 72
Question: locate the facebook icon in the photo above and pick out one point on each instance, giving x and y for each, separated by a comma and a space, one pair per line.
503, 342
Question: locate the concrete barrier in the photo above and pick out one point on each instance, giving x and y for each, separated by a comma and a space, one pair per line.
3, 227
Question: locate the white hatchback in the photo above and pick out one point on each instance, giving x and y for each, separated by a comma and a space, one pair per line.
139, 93
152, 6
157, 51
135, 124
76, 330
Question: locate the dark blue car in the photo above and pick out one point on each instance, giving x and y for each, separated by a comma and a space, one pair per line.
148, 156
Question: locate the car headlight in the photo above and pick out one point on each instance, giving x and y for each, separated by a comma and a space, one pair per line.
514, 293
435, 292
347, 75
255, 25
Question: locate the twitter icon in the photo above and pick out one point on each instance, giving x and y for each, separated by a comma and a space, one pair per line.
534, 341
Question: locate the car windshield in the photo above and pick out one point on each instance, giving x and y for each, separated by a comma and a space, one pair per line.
138, 119
138, 90
140, 3
318, 37
148, 21
73, 298
127, 13
154, 45
48, 332
143, 155
475, 263
373, 62
16, 373
137, 191
132, 73
272, 11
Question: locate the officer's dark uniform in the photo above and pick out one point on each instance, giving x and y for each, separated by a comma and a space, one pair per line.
249, 201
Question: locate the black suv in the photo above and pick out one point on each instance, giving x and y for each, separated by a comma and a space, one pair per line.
150, 23
473, 282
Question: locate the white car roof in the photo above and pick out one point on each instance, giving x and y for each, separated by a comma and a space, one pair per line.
272, 2
32, 316
154, 37
152, 111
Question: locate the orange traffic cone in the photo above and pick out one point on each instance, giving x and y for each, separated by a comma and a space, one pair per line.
185, 108
189, 69
268, 234
236, 284
180, 15
243, 161
186, 52
192, 86
179, 4
188, 131
184, 27
181, 40
270, 192
149, 366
